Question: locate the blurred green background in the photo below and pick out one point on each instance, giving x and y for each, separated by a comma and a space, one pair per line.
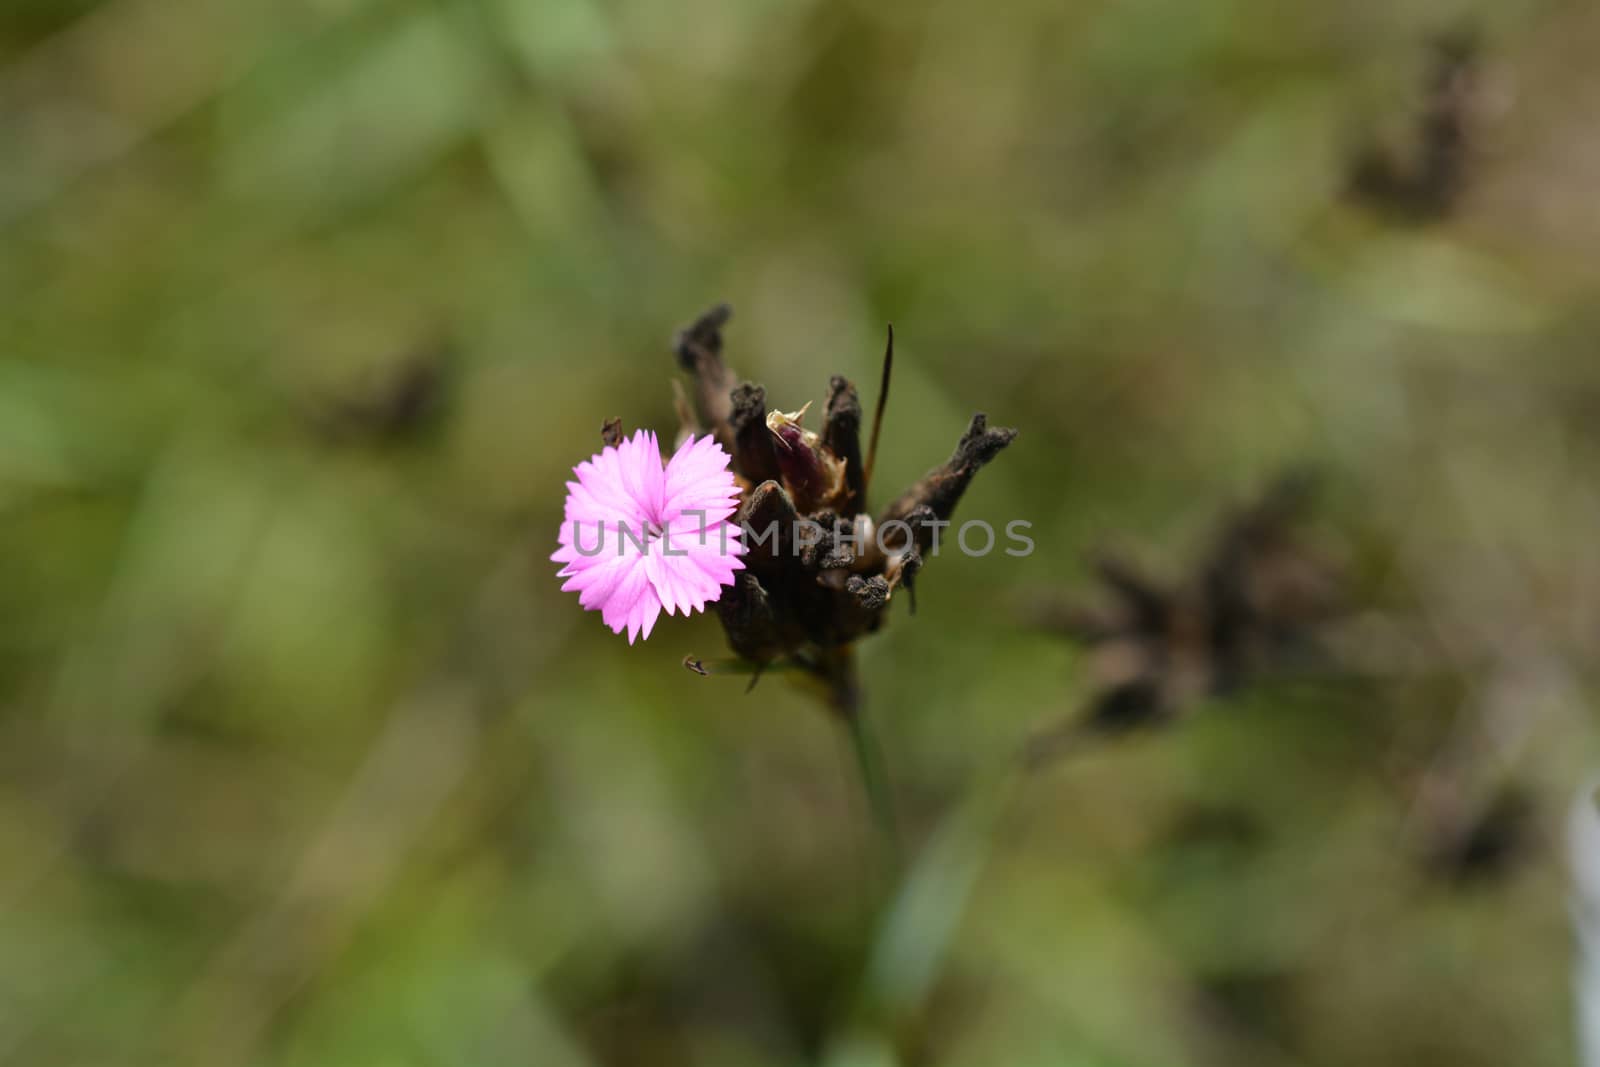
308, 308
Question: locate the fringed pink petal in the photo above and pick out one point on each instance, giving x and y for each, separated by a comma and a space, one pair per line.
639, 536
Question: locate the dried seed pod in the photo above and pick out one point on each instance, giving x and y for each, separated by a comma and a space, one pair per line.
841, 433
814, 476
754, 455
818, 574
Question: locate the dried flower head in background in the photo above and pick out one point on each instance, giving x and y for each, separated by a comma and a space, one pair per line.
1423, 180
398, 401
1252, 605
638, 537
821, 568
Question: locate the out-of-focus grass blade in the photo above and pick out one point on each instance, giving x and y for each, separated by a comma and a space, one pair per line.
920, 924
1583, 846
1441, 284
413, 92
98, 89
925, 915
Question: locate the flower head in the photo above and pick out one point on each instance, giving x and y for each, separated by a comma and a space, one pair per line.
638, 536
821, 567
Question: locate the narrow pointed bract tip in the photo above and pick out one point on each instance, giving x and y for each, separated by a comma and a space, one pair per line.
883, 401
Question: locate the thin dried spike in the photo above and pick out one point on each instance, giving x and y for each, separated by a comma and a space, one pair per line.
611, 431
841, 434
699, 350
877, 416
941, 488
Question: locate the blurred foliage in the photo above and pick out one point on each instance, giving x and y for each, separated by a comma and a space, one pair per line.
308, 307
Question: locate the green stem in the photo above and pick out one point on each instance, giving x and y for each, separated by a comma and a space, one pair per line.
875, 783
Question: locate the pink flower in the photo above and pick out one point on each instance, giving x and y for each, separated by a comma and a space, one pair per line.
638, 538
